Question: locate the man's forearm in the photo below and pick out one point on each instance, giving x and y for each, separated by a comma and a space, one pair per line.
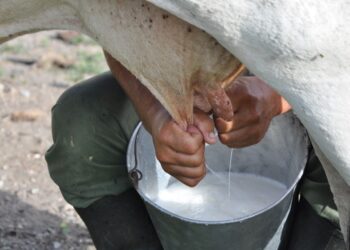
146, 105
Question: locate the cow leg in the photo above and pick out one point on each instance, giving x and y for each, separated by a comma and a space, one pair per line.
341, 193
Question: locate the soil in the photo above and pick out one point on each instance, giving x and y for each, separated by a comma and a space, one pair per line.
34, 70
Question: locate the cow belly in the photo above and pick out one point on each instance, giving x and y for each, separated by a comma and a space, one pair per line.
169, 56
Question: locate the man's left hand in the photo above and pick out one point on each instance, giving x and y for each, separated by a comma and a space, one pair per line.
254, 104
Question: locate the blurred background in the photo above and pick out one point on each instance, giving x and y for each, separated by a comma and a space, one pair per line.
34, 70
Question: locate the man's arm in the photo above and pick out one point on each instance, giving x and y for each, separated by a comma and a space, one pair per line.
180, 152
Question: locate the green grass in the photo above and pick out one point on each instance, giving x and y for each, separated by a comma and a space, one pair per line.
12, 48
82, 39
64, 228
2, 72
87, 64
45, 42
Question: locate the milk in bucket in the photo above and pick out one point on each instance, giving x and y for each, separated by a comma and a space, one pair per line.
208, 201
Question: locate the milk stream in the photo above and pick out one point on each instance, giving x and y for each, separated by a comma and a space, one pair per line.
229, 175
208, 200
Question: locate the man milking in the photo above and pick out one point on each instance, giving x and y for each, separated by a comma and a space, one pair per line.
92, 123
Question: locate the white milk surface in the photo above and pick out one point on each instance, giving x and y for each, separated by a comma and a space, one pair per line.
210, 201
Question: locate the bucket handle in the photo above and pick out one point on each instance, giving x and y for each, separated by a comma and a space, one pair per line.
135, 175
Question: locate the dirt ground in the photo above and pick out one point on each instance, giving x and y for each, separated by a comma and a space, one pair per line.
34, 70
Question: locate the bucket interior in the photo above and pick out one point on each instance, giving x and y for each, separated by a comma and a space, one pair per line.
280, 157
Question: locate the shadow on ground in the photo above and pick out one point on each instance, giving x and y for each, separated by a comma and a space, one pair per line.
23, 226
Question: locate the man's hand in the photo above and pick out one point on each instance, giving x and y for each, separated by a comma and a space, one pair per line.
180, 152
254, 104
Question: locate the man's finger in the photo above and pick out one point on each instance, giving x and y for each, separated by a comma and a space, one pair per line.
185, 172
205, 126
189, 181
240, 120
171, 157
182, 141
243, 137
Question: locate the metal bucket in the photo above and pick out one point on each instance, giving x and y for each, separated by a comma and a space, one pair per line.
281, 156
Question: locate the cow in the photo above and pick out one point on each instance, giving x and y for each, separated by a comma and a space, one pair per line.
301, 49
180, 48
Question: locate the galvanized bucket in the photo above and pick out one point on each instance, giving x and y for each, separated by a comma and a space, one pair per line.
281, 156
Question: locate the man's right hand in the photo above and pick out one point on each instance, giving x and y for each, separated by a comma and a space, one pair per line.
180, 152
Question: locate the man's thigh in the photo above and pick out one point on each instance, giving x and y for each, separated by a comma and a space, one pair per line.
91, 126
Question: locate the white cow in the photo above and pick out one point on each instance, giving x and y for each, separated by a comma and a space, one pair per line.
301, 48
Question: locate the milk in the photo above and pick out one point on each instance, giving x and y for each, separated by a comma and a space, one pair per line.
229, 175
208, 201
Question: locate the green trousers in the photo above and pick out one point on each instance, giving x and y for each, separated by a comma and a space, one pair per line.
91, 126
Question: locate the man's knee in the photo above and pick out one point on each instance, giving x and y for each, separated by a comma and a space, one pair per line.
97, 100
91, 126
91, 110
